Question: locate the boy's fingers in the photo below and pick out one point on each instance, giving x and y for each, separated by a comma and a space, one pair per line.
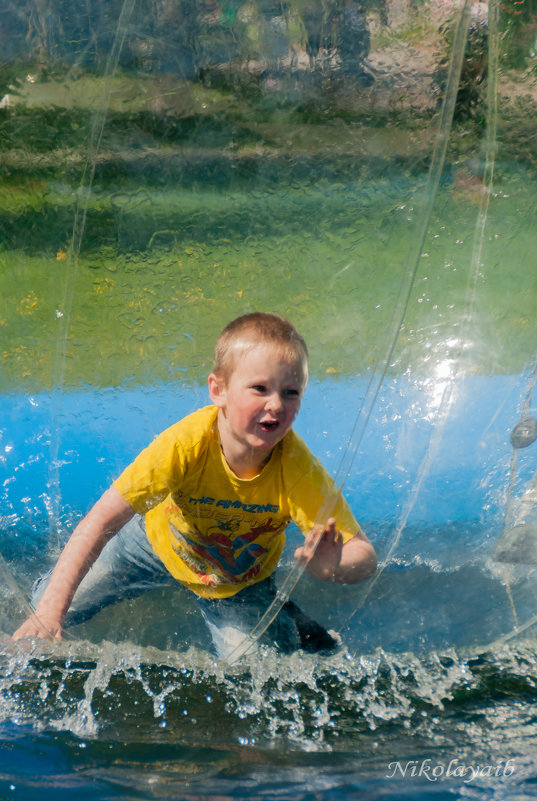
331, 533
306, 551
313, 537
327, 534
33, 628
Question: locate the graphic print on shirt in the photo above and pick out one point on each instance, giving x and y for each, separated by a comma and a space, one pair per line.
230, 558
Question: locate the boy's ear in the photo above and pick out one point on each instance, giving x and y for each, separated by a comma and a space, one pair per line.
217, 390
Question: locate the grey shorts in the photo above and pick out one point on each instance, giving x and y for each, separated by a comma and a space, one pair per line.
127, 567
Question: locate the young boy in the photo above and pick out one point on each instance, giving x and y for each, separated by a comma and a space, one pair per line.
207, 504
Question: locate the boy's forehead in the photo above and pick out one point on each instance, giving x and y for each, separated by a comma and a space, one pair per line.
261, 352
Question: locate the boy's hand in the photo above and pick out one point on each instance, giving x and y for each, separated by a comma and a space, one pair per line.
321, 552
328, 559
107, 516
39, 627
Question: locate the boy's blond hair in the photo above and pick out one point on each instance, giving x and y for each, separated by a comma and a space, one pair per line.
244, 333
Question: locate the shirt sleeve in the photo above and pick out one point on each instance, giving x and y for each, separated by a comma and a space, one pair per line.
156, 471
313, 497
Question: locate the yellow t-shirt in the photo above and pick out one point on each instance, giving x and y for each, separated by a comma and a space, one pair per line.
217, 533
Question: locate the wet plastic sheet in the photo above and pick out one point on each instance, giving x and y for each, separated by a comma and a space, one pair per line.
173, 202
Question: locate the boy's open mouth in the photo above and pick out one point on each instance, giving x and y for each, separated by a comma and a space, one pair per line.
269, 425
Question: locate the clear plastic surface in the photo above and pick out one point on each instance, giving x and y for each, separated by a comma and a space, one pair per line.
365, 171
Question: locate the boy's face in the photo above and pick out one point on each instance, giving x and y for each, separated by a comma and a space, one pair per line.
259, 401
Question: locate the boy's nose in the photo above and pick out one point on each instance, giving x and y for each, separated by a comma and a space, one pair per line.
274, 402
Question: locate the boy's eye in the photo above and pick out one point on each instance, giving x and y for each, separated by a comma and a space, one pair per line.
291, 393
259, 387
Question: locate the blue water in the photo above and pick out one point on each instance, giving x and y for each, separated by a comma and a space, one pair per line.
76, 443
428, 697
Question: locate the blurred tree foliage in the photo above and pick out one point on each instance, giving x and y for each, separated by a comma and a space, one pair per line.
182, 37
472, 82
519, 25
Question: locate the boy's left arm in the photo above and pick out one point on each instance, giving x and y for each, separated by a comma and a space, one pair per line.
328, 558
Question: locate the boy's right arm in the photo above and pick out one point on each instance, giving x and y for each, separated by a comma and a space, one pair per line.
109, 514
